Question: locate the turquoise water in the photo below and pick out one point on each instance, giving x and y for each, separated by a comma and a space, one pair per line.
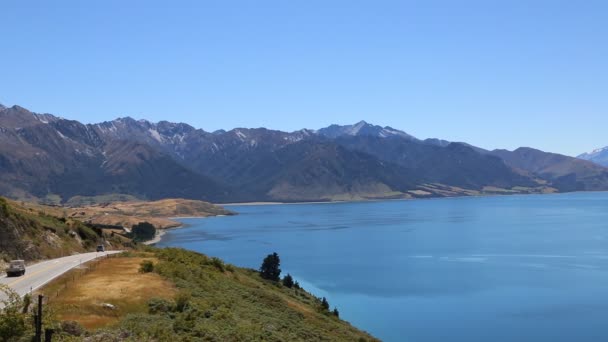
510, 268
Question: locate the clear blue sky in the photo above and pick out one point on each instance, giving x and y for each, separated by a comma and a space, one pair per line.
492, 73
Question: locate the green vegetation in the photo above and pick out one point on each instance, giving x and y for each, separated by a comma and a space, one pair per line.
33, 235
324, 304
270, 267
14, 323
218, 302
146, 266
143, 231
288, 281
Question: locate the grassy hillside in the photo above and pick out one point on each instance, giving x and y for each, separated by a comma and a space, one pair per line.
207, 300
34, 235
129, 213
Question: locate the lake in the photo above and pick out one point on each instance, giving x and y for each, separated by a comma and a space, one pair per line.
504, 268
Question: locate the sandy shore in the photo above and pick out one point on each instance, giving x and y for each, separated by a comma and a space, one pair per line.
161, 232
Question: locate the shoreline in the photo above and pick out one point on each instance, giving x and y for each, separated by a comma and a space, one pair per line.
162, 232
246, 204
157, 238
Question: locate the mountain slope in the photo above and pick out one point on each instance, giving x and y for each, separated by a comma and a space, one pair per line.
34, 236
599, 156
51, 159
43, 155
565, 173
312, 170
362, 128
455, 164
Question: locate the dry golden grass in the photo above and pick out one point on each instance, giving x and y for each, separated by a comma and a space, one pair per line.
130, 213
115, 281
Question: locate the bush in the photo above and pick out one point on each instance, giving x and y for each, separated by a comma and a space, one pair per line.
12, 321
159, 305
86, 233
182, 300
143, 231
146, 266
27, 301
72, 328
325, 304
270, 267
217, 263
3, 206
288, 281
336, 312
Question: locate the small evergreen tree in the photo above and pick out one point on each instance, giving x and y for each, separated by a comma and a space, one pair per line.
336, 312
325, 304
288, 281
296, 285
270, 267
143, 231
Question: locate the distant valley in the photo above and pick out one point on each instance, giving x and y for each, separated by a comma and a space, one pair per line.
53, 160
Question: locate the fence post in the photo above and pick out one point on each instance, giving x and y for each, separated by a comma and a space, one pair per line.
48, 335
38, 337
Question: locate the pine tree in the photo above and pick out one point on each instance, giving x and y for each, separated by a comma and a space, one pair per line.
325, 304
336, 312
270, 267
288, 281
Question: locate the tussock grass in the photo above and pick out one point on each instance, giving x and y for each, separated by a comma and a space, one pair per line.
115, 281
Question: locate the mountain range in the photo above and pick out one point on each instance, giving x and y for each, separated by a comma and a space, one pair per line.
598, 156
50, 159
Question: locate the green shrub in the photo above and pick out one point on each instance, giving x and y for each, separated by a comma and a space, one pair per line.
159, 305
325, 304
72, 328
217, 263
3, 206
86, 233
288, 281
146, 266
12, 321
182, 300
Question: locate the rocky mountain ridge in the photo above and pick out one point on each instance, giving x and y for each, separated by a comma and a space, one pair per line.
52, 159
598, 156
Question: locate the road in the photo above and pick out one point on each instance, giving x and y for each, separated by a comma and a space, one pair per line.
39, 274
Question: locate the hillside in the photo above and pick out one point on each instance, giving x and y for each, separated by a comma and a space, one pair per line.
563, 172
127, 212
158, 213
454, 164
34, 235
189, 297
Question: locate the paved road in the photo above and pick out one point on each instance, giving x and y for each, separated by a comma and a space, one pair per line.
39, 274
